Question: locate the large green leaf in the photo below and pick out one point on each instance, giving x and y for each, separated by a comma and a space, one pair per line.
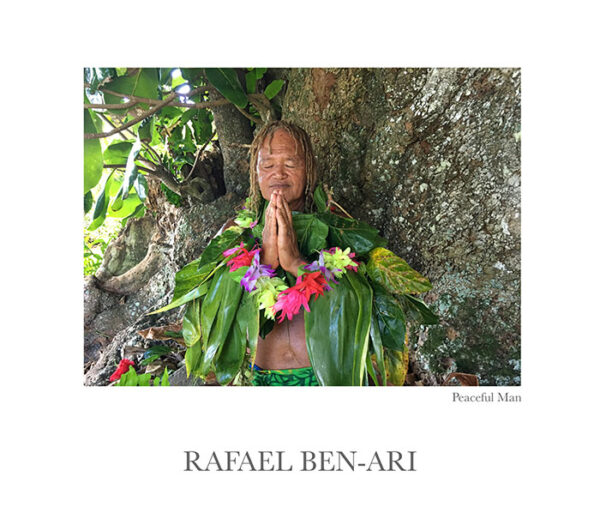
376, 347
225, 293
143, 83
227, 83
191, 323
214, 251
396, 364
337, 330
311, 233
391, 271
193, 357
127, 208
202, 124
248, 320
101, 204
196, 292
92, 152
190, 276
390, 318
320, 199
118, 152
352, 233
231, 355
418, 310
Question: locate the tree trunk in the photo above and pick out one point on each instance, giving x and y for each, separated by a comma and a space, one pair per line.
431, 157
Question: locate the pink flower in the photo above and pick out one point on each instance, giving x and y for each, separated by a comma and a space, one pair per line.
291, 300
233, 251
289, 303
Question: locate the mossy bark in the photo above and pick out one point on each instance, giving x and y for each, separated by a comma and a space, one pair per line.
431, 157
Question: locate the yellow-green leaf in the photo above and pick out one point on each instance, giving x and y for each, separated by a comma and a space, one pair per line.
393, 273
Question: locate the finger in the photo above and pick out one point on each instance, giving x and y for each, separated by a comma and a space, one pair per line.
284, 224
286, 208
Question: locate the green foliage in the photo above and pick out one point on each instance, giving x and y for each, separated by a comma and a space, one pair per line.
273, 88
155, 352
228, 84
133, 379
92, 153
352, 233
310, 232
168, 138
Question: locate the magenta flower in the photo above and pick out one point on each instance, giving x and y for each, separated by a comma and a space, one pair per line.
233, 251
289, 303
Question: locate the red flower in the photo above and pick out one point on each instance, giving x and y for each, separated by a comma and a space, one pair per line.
123, 367
242, 260
313, 283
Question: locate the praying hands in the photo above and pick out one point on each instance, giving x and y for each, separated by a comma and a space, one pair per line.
280, 246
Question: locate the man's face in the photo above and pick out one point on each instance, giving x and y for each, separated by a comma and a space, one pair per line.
279, 166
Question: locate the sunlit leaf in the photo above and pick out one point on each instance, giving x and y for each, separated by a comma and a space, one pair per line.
92, 153
131, 172
191, 323
143, 83
101, 205
118, 152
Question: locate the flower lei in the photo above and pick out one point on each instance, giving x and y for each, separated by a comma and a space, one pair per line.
272, 293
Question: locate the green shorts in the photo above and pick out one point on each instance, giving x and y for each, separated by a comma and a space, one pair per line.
304, 377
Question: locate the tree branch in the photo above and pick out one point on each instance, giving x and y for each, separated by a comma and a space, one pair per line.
258, 121
151, 101
135, 120
198, 155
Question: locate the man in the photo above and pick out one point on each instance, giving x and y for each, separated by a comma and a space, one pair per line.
283, 171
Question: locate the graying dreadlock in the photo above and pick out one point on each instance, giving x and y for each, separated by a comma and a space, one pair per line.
303, 140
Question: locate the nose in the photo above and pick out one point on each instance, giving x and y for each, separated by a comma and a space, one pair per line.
279, 170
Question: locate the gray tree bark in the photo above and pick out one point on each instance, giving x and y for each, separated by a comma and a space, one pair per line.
431, 157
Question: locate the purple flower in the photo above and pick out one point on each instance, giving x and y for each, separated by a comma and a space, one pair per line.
253, 224
319, 265
254, 272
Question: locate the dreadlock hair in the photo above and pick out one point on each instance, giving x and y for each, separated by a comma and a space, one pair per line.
303, 144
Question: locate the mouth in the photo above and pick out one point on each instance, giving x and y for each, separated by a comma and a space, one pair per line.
278, 186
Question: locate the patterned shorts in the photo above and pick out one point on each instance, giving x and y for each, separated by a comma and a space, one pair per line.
304, 377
